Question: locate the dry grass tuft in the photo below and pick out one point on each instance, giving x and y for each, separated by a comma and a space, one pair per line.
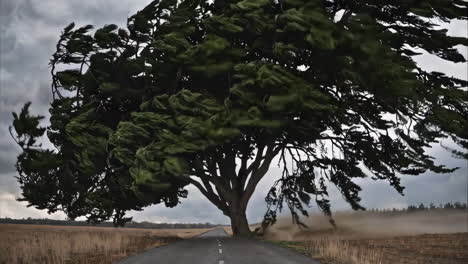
72, 245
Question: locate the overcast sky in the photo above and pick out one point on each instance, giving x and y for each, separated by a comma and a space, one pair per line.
29, 30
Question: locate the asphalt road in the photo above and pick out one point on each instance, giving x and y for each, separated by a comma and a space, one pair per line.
216, 247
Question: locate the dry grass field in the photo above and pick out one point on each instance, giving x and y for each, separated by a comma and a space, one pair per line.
420, 249
25, 244
438, 237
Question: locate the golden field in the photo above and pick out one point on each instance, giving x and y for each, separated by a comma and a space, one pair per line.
425, 237
25, 244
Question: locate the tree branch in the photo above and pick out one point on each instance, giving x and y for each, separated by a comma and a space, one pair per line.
242, 174
216, 200
227, 167
258, 173
214, 178
254, 164
200, 172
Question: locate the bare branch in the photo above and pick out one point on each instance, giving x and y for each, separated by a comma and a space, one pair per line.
216, 200
254, 164
258, 173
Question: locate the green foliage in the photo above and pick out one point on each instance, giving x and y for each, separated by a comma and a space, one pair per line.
27, 127
190, 88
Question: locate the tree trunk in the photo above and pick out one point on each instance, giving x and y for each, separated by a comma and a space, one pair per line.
233, 189
239, 224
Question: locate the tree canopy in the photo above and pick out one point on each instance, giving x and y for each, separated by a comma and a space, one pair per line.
209, 93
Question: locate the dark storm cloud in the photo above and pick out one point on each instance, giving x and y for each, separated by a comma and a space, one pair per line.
29, 30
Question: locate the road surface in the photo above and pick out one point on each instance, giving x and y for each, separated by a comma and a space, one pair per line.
216, 247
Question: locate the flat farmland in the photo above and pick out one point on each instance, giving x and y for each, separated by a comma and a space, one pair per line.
24, 244
421, 249
428, 237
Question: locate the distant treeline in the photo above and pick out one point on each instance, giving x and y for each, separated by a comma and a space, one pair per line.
422, 207
132, 224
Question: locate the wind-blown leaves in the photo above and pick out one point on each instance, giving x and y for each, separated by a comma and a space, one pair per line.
331, 87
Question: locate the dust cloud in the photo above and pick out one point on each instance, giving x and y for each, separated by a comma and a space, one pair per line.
358, 225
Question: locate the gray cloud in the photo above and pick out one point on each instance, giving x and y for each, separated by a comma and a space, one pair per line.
7, 160
10, 207
8, 42
28, 33
193, 209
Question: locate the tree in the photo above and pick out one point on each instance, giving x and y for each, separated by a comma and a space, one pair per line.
421, 207
448, 206
208, 94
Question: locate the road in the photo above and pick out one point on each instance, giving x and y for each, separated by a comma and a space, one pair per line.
216, 247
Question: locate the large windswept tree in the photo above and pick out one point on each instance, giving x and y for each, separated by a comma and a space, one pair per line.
208, 94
